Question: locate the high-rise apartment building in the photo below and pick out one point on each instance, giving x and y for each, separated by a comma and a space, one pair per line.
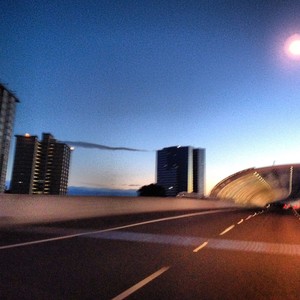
40, 167
181, 169
8, 103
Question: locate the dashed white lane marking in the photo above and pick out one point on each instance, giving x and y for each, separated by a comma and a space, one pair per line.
249, 217
111, 229
227, 229
200, 247
241, 221
141, 284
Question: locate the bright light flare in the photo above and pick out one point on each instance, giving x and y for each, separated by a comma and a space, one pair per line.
295, 47
292, 47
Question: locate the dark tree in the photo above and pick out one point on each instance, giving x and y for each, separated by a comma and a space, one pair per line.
152, 190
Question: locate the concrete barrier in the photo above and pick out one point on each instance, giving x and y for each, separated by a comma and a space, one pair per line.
27, 209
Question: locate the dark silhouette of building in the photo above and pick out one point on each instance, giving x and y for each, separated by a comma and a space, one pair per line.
7, 116
181, 169
40, 167
199, 171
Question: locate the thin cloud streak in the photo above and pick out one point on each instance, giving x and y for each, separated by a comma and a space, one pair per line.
100, 147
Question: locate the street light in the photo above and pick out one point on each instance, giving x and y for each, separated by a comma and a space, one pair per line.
292, 46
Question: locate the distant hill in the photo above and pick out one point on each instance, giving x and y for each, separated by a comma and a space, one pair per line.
86, 191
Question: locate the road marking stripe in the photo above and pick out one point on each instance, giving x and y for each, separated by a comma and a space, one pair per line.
140, 284
257, 247
200, 247
227, 229
191, 241
38, 242
112, 229
241, 221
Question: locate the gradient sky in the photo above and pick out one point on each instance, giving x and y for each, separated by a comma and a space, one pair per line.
154, 74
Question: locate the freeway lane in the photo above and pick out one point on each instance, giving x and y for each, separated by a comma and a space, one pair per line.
231, 254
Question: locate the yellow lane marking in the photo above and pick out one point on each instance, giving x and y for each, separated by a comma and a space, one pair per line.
227, 229
140, 284
200, 247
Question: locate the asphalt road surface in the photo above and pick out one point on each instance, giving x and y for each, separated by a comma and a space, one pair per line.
212, 254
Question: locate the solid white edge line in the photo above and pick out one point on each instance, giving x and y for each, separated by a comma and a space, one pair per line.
37, 242
112, 229
140, 284
200, 247
227, 229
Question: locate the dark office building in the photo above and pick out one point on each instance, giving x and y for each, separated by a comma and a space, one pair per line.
181, 169
40, 167
8, 103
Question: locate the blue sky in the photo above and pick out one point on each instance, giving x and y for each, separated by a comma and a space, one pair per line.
154, 74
